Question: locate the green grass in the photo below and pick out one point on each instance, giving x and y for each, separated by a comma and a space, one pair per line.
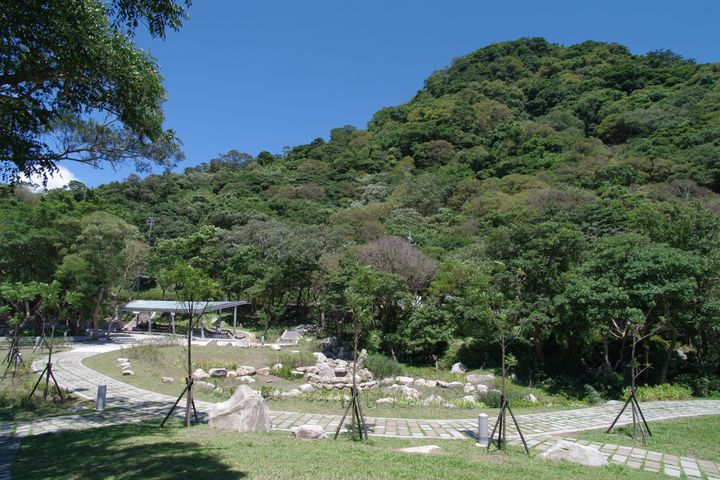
150, 363
146, 451
15, 401
696, 437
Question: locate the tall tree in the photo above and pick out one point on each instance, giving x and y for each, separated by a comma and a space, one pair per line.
73, 86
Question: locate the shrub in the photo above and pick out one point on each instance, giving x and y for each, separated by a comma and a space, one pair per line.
663, 391
382, 366
284, 372
702, 385
592, 396
295, 360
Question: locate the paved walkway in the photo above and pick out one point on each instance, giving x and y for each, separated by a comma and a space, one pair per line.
132, 404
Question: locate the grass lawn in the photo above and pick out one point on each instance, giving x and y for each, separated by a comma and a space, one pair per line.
152, 363
15, 403
146, 451
696, 437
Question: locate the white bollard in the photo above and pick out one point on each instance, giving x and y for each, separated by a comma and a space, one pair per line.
482, 431
100, 402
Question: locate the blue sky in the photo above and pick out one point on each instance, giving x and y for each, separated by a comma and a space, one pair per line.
261, 75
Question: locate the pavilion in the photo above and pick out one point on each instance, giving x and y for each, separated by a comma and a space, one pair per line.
173, 308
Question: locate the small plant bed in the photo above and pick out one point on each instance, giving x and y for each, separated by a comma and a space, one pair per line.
695, 437
160, 368
16, 403
146, 451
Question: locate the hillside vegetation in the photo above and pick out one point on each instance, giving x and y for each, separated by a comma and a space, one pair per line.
571, 192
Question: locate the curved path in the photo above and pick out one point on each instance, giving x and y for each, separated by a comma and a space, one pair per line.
127, 403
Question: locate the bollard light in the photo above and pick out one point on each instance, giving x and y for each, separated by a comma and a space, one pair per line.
100, 402
482, 431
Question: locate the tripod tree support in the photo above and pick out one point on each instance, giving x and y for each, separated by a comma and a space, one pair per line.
47, 373
501, 426
637, 414
358, 420
13, 357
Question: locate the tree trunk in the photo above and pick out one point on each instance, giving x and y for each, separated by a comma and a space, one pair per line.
668, 356
537, 334
96, 312
188, 403
606, 366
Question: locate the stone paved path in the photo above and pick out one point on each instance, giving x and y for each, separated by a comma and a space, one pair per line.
640, 458
131, 404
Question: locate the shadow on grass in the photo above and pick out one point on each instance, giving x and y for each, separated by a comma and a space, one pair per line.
119, 452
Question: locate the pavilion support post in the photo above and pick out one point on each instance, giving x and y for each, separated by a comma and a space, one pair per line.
172, 322
234, 320
150, 324
202, 329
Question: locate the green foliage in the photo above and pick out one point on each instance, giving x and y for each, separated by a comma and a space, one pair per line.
382, 366
65, 65
665, 391
560, 201
293, 360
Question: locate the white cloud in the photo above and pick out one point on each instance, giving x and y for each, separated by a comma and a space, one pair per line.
59, 179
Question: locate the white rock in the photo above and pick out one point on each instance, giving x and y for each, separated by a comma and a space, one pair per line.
482, 389
404, 380
441, 384
232, 374
430, 383
320, 357
245, 370
574, 453
386, 382
275, 346
246, 379
245, 411
263, 371
306, 388
277, 366
309, 432
204, 384
424, 449
457, 385
477, 378
123, 360
385, 401
468, 398
200, 374
458, 368
218, 372
125, 365
127, 373
325, 370
167, 379
410, 393
294, 393
531, 398
419, 383
469, 388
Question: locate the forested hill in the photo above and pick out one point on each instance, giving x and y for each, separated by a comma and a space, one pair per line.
577, 184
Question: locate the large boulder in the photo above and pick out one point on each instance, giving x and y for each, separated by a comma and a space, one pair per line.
200, 374
245, 411
574, 453
458, 368
458, 385
218, 372
309, 432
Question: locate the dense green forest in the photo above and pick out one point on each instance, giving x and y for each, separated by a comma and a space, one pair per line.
570, 193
